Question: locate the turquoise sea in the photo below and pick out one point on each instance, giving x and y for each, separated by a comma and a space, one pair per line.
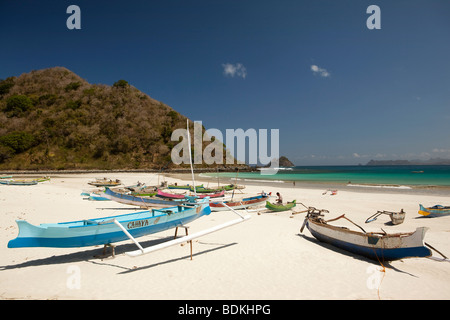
383, 176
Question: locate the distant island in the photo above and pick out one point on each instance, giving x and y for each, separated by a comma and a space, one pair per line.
435, 162
285, 162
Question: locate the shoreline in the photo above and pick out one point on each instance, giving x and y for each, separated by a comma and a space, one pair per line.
322, 185
185, 175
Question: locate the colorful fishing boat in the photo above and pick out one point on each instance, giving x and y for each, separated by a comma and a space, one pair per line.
122, 227
106, 230
204, 190
167, 195
280, 207
144, 193
105, 182
240, 204
228, 187
141, 201
373, 245
183, 187
434, 211
19, 182
139, 189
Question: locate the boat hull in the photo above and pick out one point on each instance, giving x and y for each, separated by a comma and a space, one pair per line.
373, 246
241, 204
103, 230
182, 196
139, 200
280, 208
436, 211
97, 197
186, 187
19, 183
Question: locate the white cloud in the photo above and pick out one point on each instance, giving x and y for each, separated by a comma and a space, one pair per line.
380, 155
441, 150
233, 70
320, 71
357, 155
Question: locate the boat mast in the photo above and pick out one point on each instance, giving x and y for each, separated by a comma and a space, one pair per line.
190, 156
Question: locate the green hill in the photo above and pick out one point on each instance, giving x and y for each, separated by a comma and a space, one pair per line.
52, 119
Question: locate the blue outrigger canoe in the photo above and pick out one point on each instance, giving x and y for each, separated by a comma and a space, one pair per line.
106, 230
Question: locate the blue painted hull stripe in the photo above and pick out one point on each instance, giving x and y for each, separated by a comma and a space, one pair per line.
374, 253
100, 238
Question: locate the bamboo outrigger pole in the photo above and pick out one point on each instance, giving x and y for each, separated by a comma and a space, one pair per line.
188, 238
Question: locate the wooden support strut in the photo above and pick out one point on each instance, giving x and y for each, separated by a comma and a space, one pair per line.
187, 238
186, 230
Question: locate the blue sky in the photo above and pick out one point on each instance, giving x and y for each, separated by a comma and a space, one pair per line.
338, 92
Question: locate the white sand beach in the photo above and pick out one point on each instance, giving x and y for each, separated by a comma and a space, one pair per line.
265, 257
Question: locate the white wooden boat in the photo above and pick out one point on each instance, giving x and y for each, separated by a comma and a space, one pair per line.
373, 245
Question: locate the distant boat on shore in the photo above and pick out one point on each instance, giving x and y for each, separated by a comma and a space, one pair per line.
434, 211
105, 182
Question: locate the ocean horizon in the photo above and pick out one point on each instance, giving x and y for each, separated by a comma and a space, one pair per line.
396, 176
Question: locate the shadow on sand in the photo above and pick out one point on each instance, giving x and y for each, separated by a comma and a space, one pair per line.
95, 256
386, 264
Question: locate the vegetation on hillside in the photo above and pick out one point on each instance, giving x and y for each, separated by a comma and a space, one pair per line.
53, 119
